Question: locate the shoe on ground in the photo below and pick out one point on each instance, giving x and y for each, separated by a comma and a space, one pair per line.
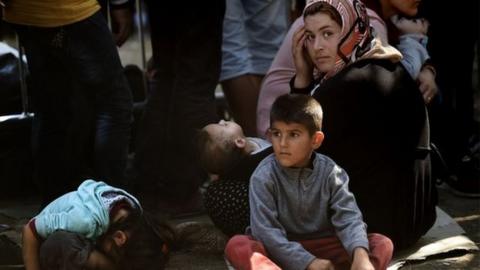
466, 181
200, 237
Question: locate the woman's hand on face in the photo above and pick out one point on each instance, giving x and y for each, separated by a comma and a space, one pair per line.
427, 85
303, 63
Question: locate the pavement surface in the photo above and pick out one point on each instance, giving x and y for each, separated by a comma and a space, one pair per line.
205, 254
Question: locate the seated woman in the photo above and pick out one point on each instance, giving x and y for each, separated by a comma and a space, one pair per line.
374, 114
380, 14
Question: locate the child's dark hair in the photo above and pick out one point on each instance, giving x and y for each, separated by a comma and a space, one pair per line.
324, 8
148, 244
215, 156
300, 109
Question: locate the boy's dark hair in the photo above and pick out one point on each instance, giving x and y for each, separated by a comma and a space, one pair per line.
217, 157
300, 109
148, 243
324, 8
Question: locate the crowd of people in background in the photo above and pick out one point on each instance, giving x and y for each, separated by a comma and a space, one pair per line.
370, 76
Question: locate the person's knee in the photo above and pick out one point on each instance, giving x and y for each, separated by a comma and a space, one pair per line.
64, 250
381, 245
239, 244
243, 244
235, 242
58, 240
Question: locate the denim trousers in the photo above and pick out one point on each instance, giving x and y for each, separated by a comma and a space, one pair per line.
82, 105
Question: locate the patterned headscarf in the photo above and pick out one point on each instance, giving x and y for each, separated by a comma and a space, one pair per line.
356, 35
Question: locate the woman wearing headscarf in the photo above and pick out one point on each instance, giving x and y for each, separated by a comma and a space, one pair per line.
415, 58
375, 118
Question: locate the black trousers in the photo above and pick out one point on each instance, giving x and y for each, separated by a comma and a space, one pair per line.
184, 72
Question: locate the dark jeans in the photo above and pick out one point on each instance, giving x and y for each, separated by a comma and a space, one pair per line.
82, 105
65, 251
186, 45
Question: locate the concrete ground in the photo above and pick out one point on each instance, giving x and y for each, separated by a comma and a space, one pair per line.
15, 212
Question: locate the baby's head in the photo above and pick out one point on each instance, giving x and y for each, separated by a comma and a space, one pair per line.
221, 146
137, 241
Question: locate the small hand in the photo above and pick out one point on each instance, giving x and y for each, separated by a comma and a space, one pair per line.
427, 85
320, 264
303, 63
361, 260
365, 265
122, 23
410, 26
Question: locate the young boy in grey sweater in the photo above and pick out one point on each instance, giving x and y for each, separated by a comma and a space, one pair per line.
302, 215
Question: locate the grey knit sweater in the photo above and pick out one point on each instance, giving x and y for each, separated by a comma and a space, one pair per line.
289, 204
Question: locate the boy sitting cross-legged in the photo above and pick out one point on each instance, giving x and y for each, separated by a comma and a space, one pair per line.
302, 215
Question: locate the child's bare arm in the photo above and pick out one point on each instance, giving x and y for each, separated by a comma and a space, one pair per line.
98, 261
30, 249
361, 260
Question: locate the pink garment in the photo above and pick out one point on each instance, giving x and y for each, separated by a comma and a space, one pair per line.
276, 81
244, 253
247, 254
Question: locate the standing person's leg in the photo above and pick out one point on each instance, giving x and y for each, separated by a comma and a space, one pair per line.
240, 87
242, 94
245, 253
254, 30
98, 74
453, 122
196, 69
51, 91
267, 24
151, 140
381, 250
65, 251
